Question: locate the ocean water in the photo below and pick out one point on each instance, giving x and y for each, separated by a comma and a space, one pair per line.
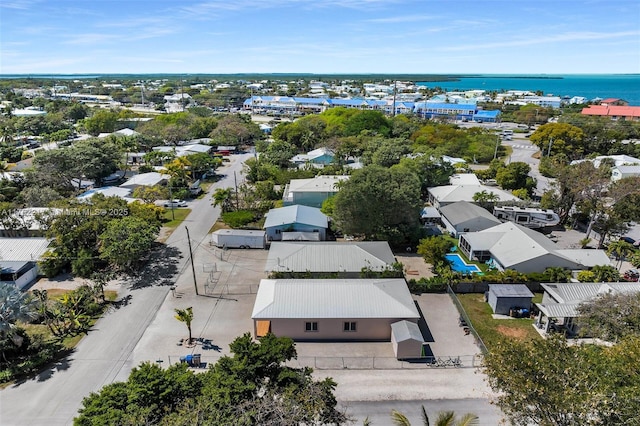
623, 86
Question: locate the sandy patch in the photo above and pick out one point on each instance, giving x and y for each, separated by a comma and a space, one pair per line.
515, 333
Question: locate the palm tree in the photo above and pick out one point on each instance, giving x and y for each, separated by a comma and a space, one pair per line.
620, 250
222, 199
558, 274
185, 316
445, 418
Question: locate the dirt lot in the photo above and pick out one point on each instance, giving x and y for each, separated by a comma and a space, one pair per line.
414, 266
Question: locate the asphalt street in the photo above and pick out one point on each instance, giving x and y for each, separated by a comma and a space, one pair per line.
54, 396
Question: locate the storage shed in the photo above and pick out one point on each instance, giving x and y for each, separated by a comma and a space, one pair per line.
406, 339
503, 297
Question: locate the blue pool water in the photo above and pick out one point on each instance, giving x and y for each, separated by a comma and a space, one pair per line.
458, 265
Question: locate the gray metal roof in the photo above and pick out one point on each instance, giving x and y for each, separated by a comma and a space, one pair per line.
510, 290
586, 257
341, 298
11, 267
296, 214
463, 211
581, 292
453, 193
329, 256
22, 249
323, 183
559, 310
406, 330
145, 179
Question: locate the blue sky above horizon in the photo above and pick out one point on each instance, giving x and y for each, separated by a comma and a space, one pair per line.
323, 36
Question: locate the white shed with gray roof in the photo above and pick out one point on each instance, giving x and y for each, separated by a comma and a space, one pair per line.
332, 309
406, 339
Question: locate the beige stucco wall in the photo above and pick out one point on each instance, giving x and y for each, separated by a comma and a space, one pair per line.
332, 329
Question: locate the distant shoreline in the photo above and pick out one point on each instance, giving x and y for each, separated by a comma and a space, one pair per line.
406, 76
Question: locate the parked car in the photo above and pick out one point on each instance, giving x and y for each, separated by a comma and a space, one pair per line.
631, 275
175, 203
628, 240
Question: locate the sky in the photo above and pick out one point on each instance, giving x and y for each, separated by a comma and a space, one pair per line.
319, 36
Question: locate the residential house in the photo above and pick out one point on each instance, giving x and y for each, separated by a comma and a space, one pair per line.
560, 301
297, 222
512, 246
311, 192
631, 113
108, 191
344, 259
621, 172
145, 179
317, 157
332, 309
464, 216
462, 188
19, 260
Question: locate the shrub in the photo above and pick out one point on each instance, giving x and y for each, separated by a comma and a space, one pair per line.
238, 219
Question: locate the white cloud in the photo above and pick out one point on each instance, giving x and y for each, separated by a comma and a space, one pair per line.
535, 40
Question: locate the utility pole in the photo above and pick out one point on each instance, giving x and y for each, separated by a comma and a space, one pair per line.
495, 152
173, 215
235, 181
395, 90
549, 150
193, 268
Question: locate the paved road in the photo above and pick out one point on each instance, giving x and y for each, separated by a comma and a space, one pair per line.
54, 397
523, 151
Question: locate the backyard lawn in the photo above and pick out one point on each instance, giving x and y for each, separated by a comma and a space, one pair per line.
492, 330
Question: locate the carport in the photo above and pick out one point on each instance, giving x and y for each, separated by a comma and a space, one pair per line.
406, 339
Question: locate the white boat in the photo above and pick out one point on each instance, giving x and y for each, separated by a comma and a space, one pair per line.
529, 217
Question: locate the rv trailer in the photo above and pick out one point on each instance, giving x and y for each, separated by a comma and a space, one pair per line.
529, 217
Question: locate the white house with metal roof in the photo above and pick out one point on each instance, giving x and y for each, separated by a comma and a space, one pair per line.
560, 301
108, 191
312, 192
512, 246
332, 309
145, 179
329, 257
319, 156
463, 187
18, 260
308, 223
621, 172
466, 217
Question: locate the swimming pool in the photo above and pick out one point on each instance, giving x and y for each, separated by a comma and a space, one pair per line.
458, 265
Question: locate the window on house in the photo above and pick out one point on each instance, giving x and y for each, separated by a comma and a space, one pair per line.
311, 326
349, 326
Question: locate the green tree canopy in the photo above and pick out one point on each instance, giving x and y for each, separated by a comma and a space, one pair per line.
379, 203
549, 383
126, 240
253, 386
